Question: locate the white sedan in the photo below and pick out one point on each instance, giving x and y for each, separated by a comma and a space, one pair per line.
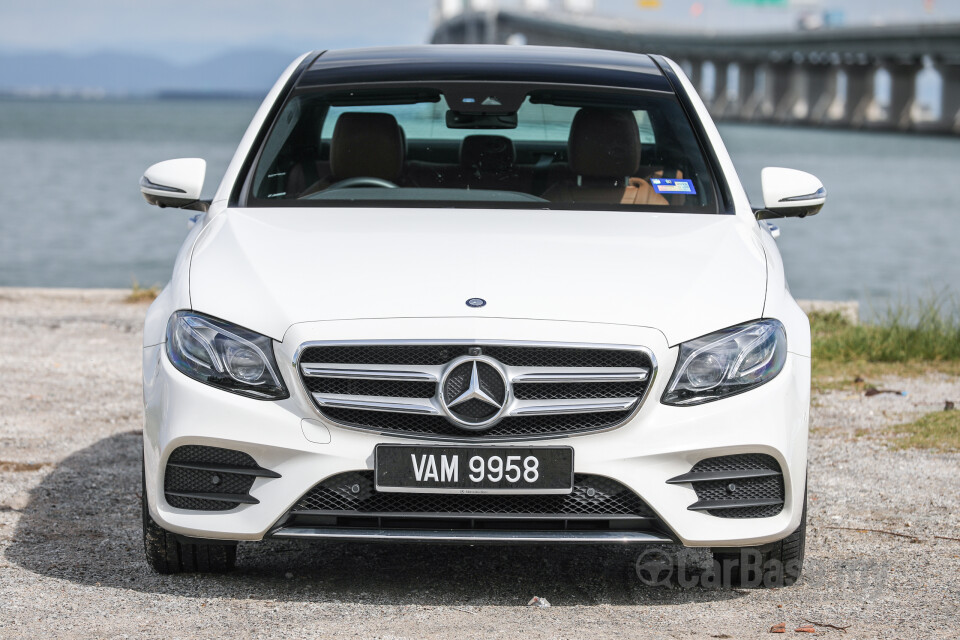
478, 295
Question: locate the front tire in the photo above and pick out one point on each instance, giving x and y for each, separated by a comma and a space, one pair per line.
167, 555
777, 564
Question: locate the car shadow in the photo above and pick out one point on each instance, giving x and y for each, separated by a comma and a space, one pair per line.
82, 524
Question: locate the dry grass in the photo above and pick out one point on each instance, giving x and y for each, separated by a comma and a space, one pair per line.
830, 374
140, 294
939, 431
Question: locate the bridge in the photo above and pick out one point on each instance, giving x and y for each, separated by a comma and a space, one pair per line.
824, 77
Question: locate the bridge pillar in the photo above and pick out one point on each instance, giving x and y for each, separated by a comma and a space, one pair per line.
823, 94
788, 91
903, 91
860, 105
749, 95
721, 99
696, 74
949, 96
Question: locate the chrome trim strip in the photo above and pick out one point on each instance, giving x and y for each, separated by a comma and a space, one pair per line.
703, 505
242, 498
552, 407
470, 536
550, 375
368, 372
816, 195
422, 406
225, 468
467, 515
146, 184
733, 474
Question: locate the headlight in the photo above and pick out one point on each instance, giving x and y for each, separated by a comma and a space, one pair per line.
727, 362
224, 355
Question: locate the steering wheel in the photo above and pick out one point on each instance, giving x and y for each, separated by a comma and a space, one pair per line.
362, 181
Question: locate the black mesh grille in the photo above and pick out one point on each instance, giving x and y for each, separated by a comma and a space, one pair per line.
458, 380
491, 382
560, 391
737, 463
385, 388
510, 356
385, 354
199, 504
214, 455
741, 489
196, 480
764, 511
514, 426
183, 480
474, 410
592, 497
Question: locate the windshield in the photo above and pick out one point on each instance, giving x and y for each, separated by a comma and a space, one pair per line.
483, 145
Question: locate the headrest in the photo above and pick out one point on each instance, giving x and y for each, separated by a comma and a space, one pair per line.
492, 153
604, 143
366, 144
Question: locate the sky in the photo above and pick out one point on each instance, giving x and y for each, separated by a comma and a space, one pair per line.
185, 31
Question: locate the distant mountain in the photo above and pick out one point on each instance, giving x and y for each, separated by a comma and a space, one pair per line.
243, 71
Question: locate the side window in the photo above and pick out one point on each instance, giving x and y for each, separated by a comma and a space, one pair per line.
284, 126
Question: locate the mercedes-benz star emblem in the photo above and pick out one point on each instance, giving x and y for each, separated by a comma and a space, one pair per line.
473, 392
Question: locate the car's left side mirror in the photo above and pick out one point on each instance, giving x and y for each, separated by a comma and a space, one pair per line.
175, 183
788, 193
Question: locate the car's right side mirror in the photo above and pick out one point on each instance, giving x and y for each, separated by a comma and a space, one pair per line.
175, 183
788, 193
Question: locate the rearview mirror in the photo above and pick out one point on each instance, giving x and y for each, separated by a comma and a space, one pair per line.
175, 183
788, 193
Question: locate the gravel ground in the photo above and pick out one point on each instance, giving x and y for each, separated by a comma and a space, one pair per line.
71, 557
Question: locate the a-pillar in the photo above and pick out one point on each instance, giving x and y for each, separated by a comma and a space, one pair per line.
823, 93
720, 101
949, 95
860, 104
903, 91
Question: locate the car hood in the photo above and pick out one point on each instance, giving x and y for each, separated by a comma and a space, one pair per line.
683, 274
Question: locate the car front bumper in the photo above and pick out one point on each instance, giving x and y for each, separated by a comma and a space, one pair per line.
660, 442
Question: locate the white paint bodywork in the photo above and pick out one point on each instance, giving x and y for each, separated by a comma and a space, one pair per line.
647, 279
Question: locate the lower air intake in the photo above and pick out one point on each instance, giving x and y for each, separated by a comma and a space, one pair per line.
210, 478
350, 500
739, 486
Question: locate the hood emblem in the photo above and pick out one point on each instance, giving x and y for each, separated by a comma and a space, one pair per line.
476, 302
473, 392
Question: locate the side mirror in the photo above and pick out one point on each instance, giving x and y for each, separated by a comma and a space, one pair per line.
175, 183
788, 193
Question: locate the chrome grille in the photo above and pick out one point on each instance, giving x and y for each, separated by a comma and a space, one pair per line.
557, 389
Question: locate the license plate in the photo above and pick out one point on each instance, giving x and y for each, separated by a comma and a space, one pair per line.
417, 469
